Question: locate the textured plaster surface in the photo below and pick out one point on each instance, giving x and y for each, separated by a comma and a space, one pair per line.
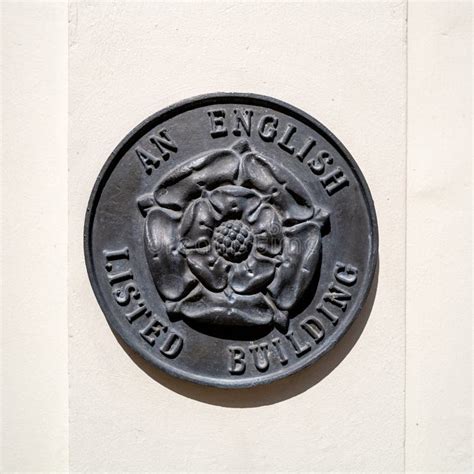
396, 393
351, 75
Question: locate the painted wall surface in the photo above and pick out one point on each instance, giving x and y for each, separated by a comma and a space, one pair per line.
351, 75
393, 81
439, 238
34, 237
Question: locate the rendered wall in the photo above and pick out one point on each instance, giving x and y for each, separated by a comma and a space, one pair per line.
34, 385
392, 81
127, 416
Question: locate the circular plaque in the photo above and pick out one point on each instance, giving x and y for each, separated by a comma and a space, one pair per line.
230, 240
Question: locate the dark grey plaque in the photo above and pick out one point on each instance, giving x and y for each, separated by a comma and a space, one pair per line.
230, 240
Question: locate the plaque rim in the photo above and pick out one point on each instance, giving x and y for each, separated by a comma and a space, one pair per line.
176, 109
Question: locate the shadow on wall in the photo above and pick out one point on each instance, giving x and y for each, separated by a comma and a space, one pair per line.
274, 392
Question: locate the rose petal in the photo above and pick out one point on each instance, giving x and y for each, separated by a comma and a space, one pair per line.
223, 308
264, 218
234, 201
210, 269
255, 172
280, 318
268, 231
301, 252
252, 275
292, 207
287, 194
187, 181
197, 223
268, 245
168, 267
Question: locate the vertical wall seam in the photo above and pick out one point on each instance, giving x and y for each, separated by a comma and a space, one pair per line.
406, 235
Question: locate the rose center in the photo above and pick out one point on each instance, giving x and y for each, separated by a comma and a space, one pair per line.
233, 240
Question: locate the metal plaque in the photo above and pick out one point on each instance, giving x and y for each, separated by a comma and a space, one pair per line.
230, 240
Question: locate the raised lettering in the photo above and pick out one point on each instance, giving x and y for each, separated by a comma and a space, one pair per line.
147, 159
267, 128
164, 143
237, 360
119, 277
300, 349
260, 356
284, 141
334, 181
346, 274
152, 330
317, 165
242, 118
172, 345
121, 254
313, 327
122, 295
282, 357
337, 296
218, 128
112, 255
332, 317
139, 311
305, 149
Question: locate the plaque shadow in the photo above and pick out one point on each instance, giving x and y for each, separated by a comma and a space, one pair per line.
274, 392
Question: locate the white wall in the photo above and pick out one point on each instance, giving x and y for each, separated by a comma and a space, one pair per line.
369, 405
34, 236
439, 238
327, 67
